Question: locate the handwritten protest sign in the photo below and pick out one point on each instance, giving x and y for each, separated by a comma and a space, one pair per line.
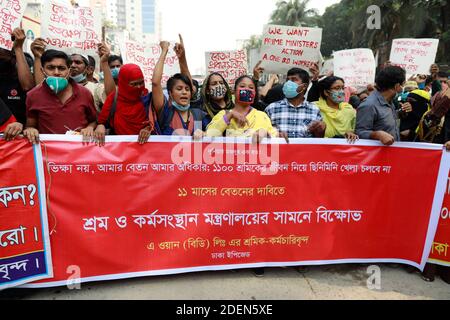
147, 56
70, 29
327, 67
230, 64
357, 67
11, 14
285, 47
414, 55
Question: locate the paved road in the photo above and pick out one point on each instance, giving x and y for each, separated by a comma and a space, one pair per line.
325, 282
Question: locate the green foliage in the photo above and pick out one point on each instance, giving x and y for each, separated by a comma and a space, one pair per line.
345, 24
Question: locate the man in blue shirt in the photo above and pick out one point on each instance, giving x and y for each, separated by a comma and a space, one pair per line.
377, 118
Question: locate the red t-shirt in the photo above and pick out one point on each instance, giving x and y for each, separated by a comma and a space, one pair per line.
53, 116
3, 126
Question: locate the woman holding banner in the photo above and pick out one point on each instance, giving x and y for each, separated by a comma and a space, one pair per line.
243, 120
217, 95
175, 115
339, 116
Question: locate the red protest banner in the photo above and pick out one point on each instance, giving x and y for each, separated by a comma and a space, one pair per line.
440, 251
24, 242
128, 210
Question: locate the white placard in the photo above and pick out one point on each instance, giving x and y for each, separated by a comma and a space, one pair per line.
71, 29
285, 47
356, 66
230, 64
414, 55
11, 14
147, 56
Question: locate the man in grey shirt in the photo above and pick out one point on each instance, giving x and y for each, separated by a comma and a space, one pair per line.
377, 118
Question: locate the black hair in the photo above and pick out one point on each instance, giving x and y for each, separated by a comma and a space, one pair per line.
179, 77
51, 54
442, 74
389, 77
429, 80
196, 84
113, 58
210, 76
304, 75
326, 84
91, 61
240, 79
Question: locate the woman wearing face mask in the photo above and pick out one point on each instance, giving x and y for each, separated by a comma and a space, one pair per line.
243, 120
339, 116
216, 95
124, 112
175, 115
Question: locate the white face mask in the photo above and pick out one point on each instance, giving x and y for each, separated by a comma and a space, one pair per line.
79, 78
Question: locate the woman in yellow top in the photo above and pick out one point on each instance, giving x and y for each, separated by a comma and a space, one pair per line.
339, 116
243, 120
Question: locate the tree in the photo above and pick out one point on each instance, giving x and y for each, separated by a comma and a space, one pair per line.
345, 24
294, 13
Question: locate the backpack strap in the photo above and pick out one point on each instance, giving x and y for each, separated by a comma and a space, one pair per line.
151, 112
112, 113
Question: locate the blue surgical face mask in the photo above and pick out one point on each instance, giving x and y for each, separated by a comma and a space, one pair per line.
180, 107
290, 89
79, 78
422, 86
115, 73
57, 84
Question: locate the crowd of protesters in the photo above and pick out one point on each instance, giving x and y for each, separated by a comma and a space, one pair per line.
54, 93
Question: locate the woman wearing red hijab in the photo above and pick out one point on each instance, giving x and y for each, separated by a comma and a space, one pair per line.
130, 116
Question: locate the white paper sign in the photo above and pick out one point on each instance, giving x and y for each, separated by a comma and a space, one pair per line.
230, 64
327, 67
70, 29
414, 55
285, 47
11, 13
147, 56
356, 66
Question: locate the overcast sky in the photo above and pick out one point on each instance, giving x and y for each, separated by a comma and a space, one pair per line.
209, 25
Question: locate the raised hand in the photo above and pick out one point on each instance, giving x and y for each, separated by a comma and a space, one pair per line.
258, 71
19, 38
38, 47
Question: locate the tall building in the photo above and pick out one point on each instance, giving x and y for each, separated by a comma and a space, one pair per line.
138, 17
